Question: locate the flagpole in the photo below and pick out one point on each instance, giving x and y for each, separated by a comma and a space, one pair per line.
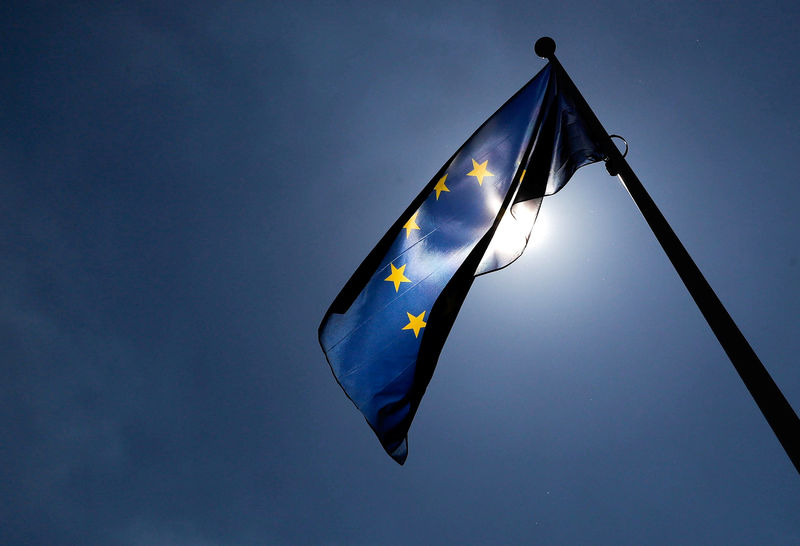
769, 398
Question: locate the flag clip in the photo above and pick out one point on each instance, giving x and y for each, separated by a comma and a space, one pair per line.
611, 166
624, 142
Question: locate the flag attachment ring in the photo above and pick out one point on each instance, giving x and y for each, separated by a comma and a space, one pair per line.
624, 142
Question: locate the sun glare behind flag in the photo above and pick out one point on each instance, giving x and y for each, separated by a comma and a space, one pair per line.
384, 332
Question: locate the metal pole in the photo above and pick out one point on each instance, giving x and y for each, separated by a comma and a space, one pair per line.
774, 406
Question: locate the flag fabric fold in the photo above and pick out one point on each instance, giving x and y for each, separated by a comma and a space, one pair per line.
383, 333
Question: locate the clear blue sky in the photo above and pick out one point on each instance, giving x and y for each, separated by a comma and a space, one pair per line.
185, 189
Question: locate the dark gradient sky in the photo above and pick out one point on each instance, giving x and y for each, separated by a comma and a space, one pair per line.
184, 190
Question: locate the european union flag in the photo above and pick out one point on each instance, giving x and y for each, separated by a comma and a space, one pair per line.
383, 333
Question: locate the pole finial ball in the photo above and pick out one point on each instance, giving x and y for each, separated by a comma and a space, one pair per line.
545, 47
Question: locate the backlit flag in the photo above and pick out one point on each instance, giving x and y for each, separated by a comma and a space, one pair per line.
384, 331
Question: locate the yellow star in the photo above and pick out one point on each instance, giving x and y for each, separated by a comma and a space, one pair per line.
440, 187
397, 276
479, 171
411, 224
415, 323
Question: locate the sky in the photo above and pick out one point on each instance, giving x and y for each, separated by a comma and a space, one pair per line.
186, 186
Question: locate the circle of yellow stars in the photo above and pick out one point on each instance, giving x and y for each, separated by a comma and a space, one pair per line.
397, 276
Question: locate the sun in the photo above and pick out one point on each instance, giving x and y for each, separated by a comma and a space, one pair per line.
541, 231
513, 233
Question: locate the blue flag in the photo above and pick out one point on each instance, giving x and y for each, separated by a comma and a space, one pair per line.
384, 331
